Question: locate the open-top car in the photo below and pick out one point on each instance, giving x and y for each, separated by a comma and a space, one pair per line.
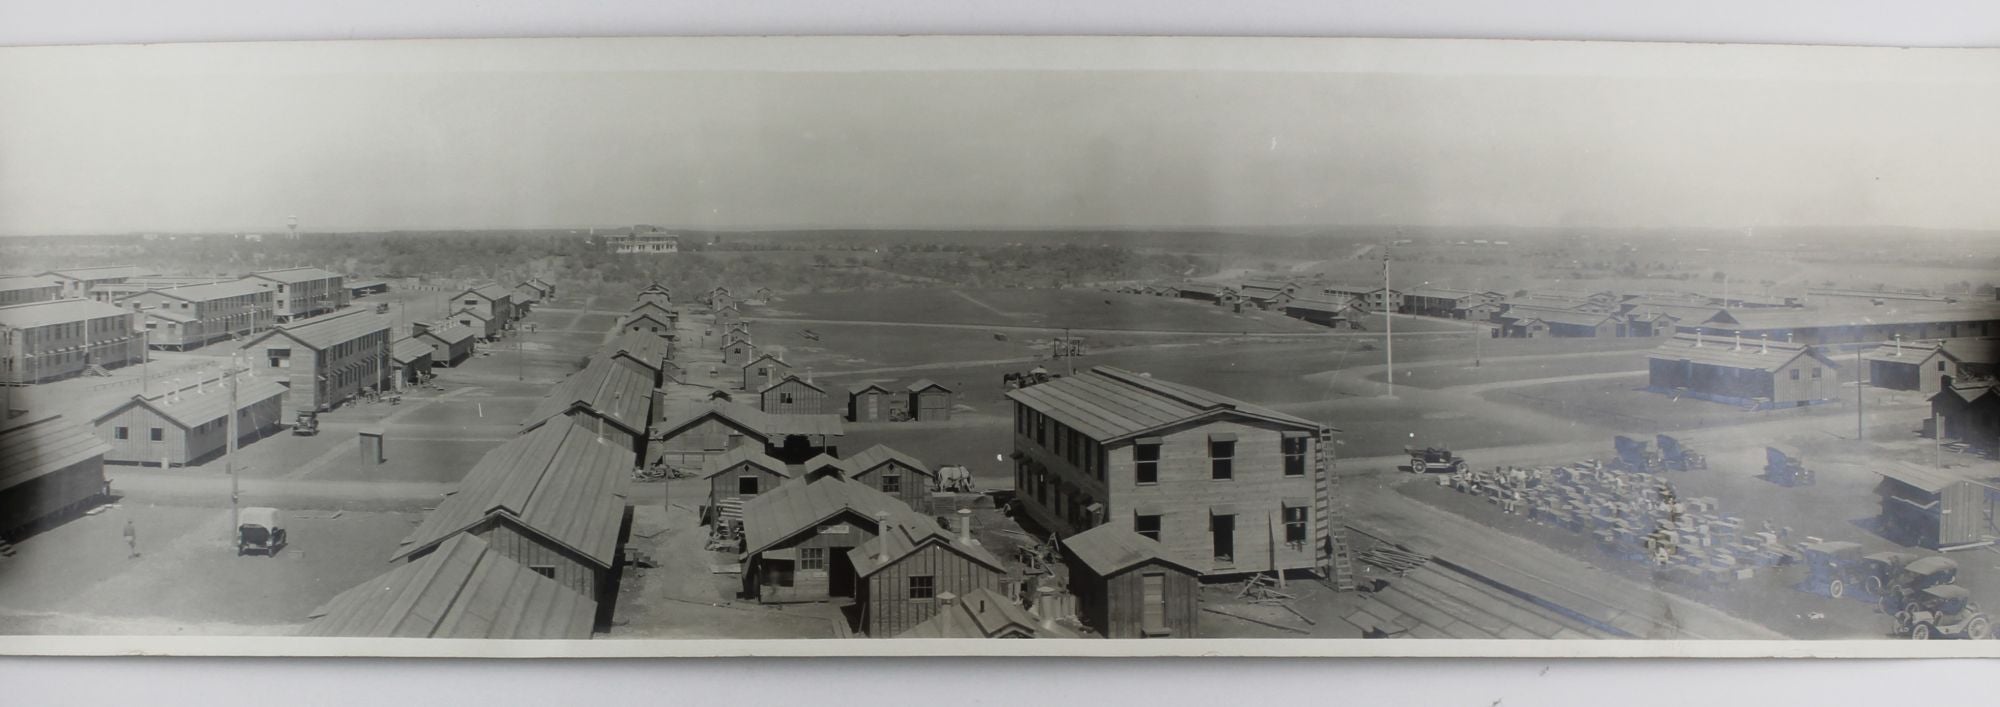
1944, 611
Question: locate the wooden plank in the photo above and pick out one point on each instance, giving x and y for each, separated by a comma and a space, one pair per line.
1513, 610
1414, 607
1466, 612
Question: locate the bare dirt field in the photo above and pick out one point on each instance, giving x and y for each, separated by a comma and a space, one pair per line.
1080, 309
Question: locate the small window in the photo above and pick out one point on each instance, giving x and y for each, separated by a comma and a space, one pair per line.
1295, 526
1146, 463
158, 434
923, 586
892, 483
1294, 449
1940, 366
785, 398
1815, 373
1222, 459
122, 433
812, 559
746, 485
1147, 525
1795, 374
548, 571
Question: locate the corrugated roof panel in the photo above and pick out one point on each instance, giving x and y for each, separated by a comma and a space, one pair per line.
325, 331
558, 480
31, 449
462, 590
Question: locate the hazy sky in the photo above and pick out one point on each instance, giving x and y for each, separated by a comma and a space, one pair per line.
240, 140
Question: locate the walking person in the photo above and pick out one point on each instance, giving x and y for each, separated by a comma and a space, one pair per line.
131, 538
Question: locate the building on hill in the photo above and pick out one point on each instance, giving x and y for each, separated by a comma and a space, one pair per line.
23, 289
797, 540
657, 295
202, 314
765, 371
466, 588
1761, 374
547, 499
80, 282
1268, 295
911, 561
50, 470
56, 339
1203, 291
327, 360
190, 425
795, 396
1324, 312
930, 401
894, 473
1129, 585
1197, 470
643, 242
612, 400
1921, 365
874, 402
303, 292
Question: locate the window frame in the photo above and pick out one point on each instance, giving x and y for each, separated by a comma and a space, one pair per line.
926, 592
156, 434
812, 559
1222, 467
1302, 524
1146, 472
1158, 522
1294, 459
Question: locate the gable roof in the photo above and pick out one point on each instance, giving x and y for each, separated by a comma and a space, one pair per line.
789, 378
1318, 305
644, 347
324, 331
880, 454
167, 314
908, 533
100, 272
745, 454
1723, 352
679, 415
211, 291
57, 311
981, 613
612, 391
491, 290
1110, 404
654, 306
558, 481
1585, 319
865, 387
31, 449
27, 282
294, 275
463, 590
189, 408
923, 383
648, 316
1928, 478
762, 356
476, 314
409, 349
770, 518
449, 335
1112, 548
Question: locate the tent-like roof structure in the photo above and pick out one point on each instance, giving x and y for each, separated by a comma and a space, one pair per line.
463, 590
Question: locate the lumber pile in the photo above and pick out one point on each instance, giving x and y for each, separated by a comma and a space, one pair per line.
1394, 559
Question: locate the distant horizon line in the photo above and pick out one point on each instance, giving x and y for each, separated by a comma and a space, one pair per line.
1302, 229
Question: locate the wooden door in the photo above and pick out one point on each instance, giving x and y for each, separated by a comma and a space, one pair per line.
1153, 602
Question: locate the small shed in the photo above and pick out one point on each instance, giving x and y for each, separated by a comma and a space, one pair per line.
763, 371
450, 345
874, 402
1128, 585
929, 401
910, 563
738, 475
1935, 508
1970, 411
410, 359
795, 396
737, 352
894, 473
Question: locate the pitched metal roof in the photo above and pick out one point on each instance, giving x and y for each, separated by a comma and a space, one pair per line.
476, 314
58, 311
749, 453
463, 590
981, 613
612, 391
922, 383
450, 335
1724, 352
1112, 548
909, 532
1557, 316
211, 291
31, 449
168, 315
295, 275
1983, 350
26, 282
645, 347
323, 332
865, 387
410, 349
210, 402
1109, 404
559, 481
1751, 320
1929, 479
1318, 305
769, 518
761, 357
1441, 293
789, 378
882, 454
681, 414
490, 290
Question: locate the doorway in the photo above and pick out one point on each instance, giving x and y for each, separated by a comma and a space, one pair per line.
840, 572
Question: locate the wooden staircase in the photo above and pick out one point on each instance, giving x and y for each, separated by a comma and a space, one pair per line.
1338, 566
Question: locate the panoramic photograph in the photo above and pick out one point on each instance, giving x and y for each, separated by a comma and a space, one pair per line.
950, 339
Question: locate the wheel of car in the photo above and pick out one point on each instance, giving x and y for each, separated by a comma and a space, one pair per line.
1416, 465
1836, 589
1873, 585
1978, 628
1920, 632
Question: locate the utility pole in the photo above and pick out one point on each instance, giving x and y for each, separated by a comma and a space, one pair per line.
229, 452
1859, 431
1388, 324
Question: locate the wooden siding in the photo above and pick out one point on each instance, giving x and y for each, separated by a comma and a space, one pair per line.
915, 488
870, 406
848, 532
724, 485
180, 445
806, 400
764, 373
1185, 495
571, 570
691, 447
321, 380
930, 405
60, 352
50, 495
1115, 606
884, 598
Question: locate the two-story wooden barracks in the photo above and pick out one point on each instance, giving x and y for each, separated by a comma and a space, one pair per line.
1222, 481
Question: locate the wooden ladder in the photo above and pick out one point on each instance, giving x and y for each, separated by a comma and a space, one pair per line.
1338, 569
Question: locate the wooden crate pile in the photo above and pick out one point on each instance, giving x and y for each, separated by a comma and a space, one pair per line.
1635, 516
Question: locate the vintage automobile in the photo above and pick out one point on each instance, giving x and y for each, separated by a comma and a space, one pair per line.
1832, 568
260, 531
1430, 459
1919, 575
306, 424
1881, 568
1944, 611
